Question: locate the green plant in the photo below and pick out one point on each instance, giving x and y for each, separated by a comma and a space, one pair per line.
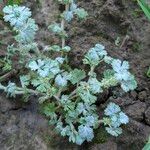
148, 73
67, 94
145, 7
147, 146
13, 2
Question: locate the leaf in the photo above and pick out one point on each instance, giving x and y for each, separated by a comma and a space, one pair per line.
108, 73
95, 85
16, 15
108, 59
60, 81
67, 103
129, 84
41, 84
66, 49
79, 140
59, 126
146, 147
123, 118
114, 131
100, 49
109, 79
33, 65
115, 121
85, 94
60, 60
68, 15
55, 28
65, 131
81, 13
81, 108
10, 89
55, 48
123, 75
91, 120
49, 109
94, 55
91, 58
73, 7
112, 109
76, 75
121, 69
12, 2
148, 72
25, 80
86, 132
27, 32
45, 68
145, 7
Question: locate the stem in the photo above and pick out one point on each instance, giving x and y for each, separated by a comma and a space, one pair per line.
63, 26
59, 93
100, 121
20, 91
72, 93
91, 71
74, 96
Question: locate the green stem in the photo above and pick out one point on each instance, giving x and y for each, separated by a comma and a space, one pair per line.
72, 93
100, 122
91, 72
63, 26
21, 91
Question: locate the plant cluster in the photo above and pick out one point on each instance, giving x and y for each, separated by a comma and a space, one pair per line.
68, 95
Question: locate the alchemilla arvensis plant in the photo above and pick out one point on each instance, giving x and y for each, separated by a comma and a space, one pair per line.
68, 95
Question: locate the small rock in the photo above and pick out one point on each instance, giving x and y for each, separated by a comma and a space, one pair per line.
147, 116
142, 96
136, 111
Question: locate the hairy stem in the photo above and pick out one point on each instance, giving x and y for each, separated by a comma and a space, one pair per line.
72, 93
21, 91
101, 122
63, 26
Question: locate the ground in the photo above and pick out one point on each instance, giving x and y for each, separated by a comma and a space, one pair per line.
22, 126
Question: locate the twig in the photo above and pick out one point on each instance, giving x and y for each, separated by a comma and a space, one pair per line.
124, 41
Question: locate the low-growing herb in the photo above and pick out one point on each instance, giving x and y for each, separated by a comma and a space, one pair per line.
68, 95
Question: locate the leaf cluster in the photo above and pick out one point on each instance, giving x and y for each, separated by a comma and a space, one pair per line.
115, 118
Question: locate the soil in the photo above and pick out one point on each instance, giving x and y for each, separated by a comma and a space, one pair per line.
22, 127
